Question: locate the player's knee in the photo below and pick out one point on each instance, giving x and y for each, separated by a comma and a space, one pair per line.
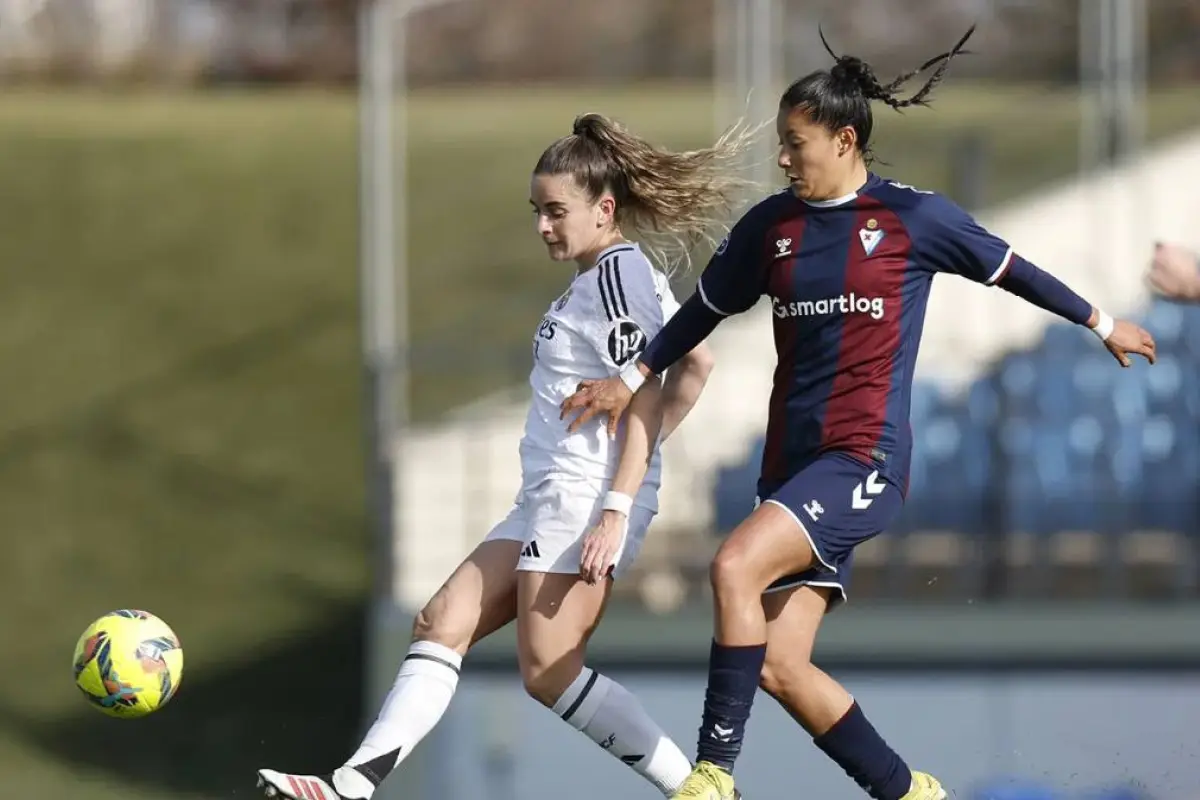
729, 570
437, 622
540, 686
545, 679
782, 677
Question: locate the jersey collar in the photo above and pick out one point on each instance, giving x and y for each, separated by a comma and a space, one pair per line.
608, 251
605, 253
872, 179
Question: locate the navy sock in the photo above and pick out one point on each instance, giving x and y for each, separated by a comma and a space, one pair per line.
859, 749
732, 682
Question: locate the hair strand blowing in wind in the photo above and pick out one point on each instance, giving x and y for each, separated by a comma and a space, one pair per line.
671, 200
858, 70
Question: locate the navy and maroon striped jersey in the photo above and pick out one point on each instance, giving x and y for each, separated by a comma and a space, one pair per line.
848, 280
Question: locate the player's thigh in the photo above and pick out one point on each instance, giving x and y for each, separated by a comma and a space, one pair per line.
557, 610
836, 503
765, 546
478, 598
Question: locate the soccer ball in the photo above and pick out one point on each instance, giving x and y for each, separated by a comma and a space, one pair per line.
128, 663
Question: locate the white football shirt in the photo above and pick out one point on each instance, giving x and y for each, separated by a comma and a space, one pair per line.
602, 322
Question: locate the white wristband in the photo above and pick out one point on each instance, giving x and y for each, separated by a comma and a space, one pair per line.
1104, 325
618, 501
632, 377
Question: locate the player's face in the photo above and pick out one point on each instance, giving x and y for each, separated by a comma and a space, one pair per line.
811, 156
570, 224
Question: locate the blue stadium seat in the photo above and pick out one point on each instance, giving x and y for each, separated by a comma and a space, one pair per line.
1170, 475
926, 398
1017, 478
735, 488
1093, 376
1053, 474
1167, 323
983, 402
1017, 375
1065, 341
1172, 387
1128, 403
1054, 392
951, 462
1191, 327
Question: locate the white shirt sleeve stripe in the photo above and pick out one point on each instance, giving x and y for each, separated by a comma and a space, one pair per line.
1000, 270
707, 302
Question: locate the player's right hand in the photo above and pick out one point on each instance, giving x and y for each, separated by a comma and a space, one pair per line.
602, 546
610, 396
1129, 338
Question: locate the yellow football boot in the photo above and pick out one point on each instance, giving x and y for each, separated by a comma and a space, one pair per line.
707, 782
924, 787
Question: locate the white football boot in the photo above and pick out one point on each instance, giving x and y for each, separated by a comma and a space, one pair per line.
344, 784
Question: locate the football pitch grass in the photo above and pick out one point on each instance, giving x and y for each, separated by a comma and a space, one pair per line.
182, 427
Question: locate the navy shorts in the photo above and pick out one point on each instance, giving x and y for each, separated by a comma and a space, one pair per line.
839, 503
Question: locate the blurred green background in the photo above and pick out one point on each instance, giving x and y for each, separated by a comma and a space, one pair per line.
182, 427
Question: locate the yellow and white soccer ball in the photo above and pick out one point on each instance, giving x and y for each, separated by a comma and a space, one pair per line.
128, 663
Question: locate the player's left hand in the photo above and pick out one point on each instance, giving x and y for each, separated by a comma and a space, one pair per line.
602, 546
610, 395
1128, 339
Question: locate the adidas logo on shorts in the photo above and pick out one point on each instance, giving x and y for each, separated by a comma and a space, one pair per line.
531, 551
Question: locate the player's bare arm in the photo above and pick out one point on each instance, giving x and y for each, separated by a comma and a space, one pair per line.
655, 412
603, 543
683, 387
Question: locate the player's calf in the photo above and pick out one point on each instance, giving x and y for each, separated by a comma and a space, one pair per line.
820, 704
558, 614
612, 717
810, 696
840, 729
477, 599
764, 547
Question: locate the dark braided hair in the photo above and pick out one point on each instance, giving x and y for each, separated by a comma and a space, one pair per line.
841, 96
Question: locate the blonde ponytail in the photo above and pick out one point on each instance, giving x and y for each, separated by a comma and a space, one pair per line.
671, 201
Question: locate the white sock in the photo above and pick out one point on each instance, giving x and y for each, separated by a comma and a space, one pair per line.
606, 712
417, 701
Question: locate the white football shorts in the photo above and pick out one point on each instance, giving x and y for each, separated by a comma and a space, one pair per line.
551, 519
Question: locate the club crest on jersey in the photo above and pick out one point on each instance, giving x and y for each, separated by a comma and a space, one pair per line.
625, 341
783, 247
562, 301
870, 235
